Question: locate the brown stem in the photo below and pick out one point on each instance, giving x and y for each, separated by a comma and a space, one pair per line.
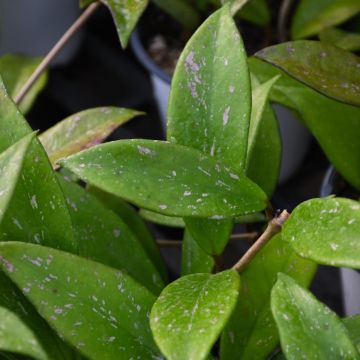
55, 50
274, 227
233, 237
283, 19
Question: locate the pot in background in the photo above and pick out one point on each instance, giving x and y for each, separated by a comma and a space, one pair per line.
350, 279
32, 27
295, 137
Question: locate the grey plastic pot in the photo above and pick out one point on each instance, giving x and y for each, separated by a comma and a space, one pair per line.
350, 279
295, 137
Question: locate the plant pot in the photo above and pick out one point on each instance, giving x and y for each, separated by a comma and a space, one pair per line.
350, 279
33, 27
295, 137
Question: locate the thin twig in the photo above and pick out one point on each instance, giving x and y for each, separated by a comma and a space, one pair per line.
283, 19
233, 237
274, 227
55, 50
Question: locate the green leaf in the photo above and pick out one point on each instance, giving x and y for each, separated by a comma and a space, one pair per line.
15, 71
256, 11
308, 328
330, 121
210, 98
352, 324
136, 224
326, 231
16, 337
160, 219
37, 211
235, 5
190, 313
326, 68
193, 258
251, 332
180, 10
313, 16
340, 38
102, 236
83, 130
99, 310
192, 184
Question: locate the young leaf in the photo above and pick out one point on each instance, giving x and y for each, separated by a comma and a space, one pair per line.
352, 324
340, 38
256, 11
193, 258
330, 121
326, 68
160, 219
16, 337
235, 5
133, 169
313, 16
37, 211
210, 98
99, 310
15, 71
190, 313
83, 130
307, 328
326, 231
251, 331
136, 224
102, 236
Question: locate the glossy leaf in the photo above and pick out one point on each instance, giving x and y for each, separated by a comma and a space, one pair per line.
83, 130
99, 310
190, 313
15, 71
160, 219
326, 231
210, 98
340, 38
256, 11
136, 224
193, 258
308, 328
185, 176
37, 211
352, 324
16, 337
251, 332
330, 121
326, 68
102, 236
313, 16
182, 11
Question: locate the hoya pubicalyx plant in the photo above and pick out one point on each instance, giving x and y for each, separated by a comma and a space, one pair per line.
82, 276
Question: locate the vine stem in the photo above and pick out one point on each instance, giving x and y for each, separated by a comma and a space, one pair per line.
283, 19
55, 50
233, 237
274, 227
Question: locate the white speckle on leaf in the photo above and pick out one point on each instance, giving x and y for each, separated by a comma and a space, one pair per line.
162, 206
231, 89
116, 232
226, 115
187, 193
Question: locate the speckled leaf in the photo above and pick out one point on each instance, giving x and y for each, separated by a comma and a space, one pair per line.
326, 231
308, 328
136, 224
340, 38
37, 211
352, 324
15, 71
102, 236
210, 99
251, 332
256, 11
330, 121
326, 68
313, 16
190, 313
193, 258
134, 169
99, 310
83, 130
16, 337
160, 219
